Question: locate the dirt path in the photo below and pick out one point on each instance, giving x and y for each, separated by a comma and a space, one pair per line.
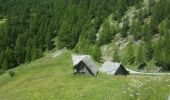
141, 73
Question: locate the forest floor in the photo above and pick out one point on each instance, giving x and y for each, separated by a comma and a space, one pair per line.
51, 78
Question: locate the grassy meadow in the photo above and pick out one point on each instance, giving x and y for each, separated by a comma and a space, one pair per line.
51, 78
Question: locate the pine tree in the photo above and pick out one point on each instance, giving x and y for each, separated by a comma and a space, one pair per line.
65, 36
107, 33
5, 65
96, 53
91, 35
149, 51
121, 8
1, 17
151, 2
163, 26
136, 29
49, 43
130, 53
116, 55
28, 55
40, 53
158, 54
125, 27
28, 50
146, 33
138, 3
18, 49
9, 57
166, 51
2, 58
34, 53
140, 55
162, 54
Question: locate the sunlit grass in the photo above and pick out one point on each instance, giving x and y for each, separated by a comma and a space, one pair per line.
52, 79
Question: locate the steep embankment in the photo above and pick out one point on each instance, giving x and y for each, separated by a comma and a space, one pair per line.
51, 78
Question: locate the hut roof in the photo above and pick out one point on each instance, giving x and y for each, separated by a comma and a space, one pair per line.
88, 61
77, 58
110, 68
91, 66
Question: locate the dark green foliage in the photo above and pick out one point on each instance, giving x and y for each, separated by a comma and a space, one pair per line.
5, 65
12, 73
158, 51
19, 50
91, 35
116, 55
26, 27
146, 33
65, 38
28, 51
31, 26
149, 51
1, 17
160, 12
86, 48
125, 27
151, 3
147, 37
140, 55
121, 7
96, 53
162, 53
138, 3
107, 33
135, 29
142, 66
130, 53
36, 53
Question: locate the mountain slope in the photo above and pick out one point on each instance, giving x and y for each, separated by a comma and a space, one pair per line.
30, 27
51, 78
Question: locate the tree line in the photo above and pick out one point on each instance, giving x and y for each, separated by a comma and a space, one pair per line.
31, 26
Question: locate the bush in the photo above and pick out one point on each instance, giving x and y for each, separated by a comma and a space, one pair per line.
132, 60
1, 72
142, 66
12, 73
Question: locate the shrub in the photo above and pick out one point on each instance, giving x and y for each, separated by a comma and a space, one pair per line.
12, 73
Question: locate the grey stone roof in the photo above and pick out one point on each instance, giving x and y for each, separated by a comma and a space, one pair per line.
110, 68
91, 65
86, 59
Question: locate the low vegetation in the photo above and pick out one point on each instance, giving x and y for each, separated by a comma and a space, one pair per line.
52, 78
133, 32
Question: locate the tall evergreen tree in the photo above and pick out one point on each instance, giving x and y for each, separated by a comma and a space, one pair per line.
5, 65
130, 52
166, 51
28, 50
96, 52
116, 55
140, 55
18, 49
35, 54
125, 27
107, 34
158, 54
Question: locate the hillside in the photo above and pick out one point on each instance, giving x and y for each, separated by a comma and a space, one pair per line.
38, 37
51, 78
139, 29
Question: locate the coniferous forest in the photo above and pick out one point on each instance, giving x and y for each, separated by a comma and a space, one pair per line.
28, 29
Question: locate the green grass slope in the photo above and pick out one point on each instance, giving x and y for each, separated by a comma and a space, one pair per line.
51, 78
